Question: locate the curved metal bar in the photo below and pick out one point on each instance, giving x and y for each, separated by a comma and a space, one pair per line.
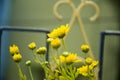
83, 4
76, 16
94, 5
56, 6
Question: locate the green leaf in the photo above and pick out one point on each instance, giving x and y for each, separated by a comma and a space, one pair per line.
61, 78
24, 77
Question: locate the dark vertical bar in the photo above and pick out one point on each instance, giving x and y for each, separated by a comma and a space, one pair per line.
0, 41
47, 46
0, 51
101, 57
102, 37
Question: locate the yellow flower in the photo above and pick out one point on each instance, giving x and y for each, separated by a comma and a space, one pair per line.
59, 32
55, 43
32, 45
93, 65
62, 58
87, 70
53, 34
83, 70
17, 57
70, 58
88, 60
41, 50
85, 48
13, 49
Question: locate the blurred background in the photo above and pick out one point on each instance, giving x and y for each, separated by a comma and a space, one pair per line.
39, 14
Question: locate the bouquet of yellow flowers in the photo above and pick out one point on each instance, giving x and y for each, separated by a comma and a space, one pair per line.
61, 66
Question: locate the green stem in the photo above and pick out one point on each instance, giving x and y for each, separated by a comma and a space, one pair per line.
30, 73
36, 58
63, 42
57, 53
20, 71
43, 57
44, 65
46, 70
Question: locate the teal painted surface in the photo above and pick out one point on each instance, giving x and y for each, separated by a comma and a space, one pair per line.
5, 15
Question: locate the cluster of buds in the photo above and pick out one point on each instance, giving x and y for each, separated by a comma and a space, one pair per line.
88, 69
56, 35
40, 50
14, 51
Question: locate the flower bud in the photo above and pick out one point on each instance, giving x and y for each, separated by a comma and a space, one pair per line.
46, 62
32, 46
17, 57
88, 61
13, 49
41, 50
85, 48
55, 43
65, 54
28, 63
49, 40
